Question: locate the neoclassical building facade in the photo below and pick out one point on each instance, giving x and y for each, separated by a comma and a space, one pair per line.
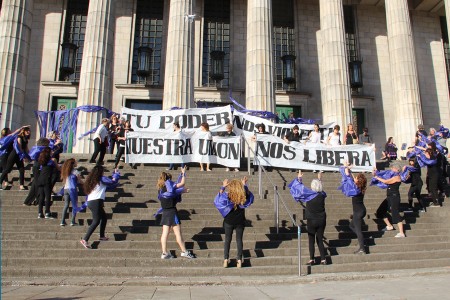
381, 64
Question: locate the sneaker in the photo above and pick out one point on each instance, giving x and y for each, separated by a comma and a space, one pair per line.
40, 216
360, 252
63, 224
85, 244
48, 216
227, 170
388, 228
166, 256
400, 235
92, 162
73, 224
104, 239
168, 169
236, 170
187, 254
315, 171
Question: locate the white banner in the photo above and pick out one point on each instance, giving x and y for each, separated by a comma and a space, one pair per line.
246, 125
183, 147
162, 120
272, 151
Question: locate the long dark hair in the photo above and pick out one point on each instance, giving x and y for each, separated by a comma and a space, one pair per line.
5, 131
93, 179
44, 156
67, 168
389, 140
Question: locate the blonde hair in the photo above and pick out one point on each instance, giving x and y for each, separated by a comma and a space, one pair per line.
236, 192
162, 180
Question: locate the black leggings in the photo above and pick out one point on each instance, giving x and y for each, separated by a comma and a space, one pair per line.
120, 152
33, 192
433, 180
359, 212
13, 158
98, 148
3, 160
229, 235
44, 196
392, 201
415, 190
98, 217
316, 228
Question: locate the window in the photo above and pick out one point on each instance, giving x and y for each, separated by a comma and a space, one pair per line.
144, 104
446, 45
74, 32
284, 45
353, 57
148, 33
216, 43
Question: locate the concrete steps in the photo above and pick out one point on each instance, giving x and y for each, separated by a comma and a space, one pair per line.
40, 248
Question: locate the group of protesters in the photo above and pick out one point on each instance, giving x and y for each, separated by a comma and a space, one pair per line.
234, 196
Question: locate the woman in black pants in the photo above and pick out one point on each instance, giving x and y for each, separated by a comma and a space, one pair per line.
17, 155
432, 162
231, 205
95, 188
315, 212
355, 187
121, 137
44, 183
392, 201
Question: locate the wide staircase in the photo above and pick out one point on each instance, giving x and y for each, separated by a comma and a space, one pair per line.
33, 247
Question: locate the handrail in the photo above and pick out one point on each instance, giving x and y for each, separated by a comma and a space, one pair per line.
277, 197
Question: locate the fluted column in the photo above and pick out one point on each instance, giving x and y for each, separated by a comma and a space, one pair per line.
179, 71
96, 68
15, 31
259, 87
447, 16
334, 77
405, 82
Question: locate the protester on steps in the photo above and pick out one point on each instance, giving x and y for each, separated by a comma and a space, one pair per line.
100, 142
316, 216
71, 178
231, 201
355, 187
16, 157
44, 182
95, 187
169, 193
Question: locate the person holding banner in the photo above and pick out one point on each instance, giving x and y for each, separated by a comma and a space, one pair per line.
100, 142
315, 138
261, 130
350, 136
205, 128
169, 194
176, 129
334, 138
315, 212
232, 204
228, 133
355, 187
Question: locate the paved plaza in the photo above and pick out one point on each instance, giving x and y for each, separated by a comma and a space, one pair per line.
431, 284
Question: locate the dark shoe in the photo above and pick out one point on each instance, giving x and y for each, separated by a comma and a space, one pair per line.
85, 244
40, 216
92, 162
310, 262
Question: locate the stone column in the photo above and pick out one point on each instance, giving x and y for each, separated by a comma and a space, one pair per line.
96, 68
15, 31
405, 82
334, 77
447, 16
259, 87
179, 71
